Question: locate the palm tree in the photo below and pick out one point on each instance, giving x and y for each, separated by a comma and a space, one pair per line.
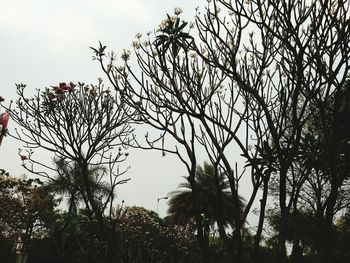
215, 200
69, 182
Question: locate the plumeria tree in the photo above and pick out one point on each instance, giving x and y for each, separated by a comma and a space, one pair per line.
192, 104
158, 108
248, 76
84, 126
290, 58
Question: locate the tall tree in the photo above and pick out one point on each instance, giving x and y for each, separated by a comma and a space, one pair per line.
310, 182
279, 58
193, 105
286, 56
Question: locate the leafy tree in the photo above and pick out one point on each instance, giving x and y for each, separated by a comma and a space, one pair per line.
335, 136
25, 209
74, 238
148, 238
213, 192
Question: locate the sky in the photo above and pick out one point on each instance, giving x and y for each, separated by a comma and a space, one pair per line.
47, 42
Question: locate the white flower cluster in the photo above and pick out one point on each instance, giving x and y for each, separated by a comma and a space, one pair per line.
125, 55
177, 11
136, 44
166, 23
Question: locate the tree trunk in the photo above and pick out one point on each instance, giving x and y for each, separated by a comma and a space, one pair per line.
109, 235
297, 252
237, 235
202, 242
258, 234
282, 237
221, 222
326, 252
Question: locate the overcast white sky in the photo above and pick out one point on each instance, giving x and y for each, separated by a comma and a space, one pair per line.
46, 42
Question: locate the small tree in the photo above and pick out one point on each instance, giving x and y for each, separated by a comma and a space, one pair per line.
80, 124
149, 238
68, 183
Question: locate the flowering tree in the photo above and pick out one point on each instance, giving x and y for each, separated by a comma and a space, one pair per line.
159, 109
84, 125
193, 104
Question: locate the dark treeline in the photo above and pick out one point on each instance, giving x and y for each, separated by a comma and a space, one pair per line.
268, 80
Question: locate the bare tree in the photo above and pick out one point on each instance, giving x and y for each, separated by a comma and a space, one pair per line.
159, 106
281, 59
193, 104
286, 55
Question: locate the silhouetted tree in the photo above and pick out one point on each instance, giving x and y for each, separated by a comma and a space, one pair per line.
281, 60
82, 125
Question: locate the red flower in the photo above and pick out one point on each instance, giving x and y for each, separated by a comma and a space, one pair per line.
23, 157
71, 86
63, 86
4, 119
93, 92
58, 89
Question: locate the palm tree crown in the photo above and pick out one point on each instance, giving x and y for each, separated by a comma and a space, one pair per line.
69, 182
215, 199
